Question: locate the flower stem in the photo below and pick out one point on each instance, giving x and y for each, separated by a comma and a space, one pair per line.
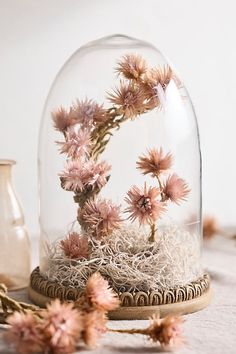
152, 237
128, 331
161, 188
9, 304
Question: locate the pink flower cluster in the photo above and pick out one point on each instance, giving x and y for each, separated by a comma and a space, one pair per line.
78, 175
86, 113
147, 204
77, 125
57, 330
142, 88
61, 326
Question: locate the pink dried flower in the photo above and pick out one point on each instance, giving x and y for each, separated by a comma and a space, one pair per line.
24, 333
100, 217
129, 98
132, 66
62, 119
77, 145
155, 162
95, 174
71, 176
94, 327
154, 85
62, 326
89, 113
100, 295
75, 246
210, 227
78, 175
166, 331
143, 204
175, 189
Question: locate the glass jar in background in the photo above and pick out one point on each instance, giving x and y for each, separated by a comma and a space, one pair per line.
14, 238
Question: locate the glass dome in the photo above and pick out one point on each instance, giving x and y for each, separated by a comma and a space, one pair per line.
120, 171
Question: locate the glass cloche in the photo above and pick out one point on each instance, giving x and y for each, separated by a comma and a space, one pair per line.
120, 181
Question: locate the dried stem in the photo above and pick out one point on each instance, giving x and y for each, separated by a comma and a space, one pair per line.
128, 331
152, 237
161, 188
102, 134
100, 138
11, 305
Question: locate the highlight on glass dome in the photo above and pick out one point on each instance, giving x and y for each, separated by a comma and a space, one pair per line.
120, 182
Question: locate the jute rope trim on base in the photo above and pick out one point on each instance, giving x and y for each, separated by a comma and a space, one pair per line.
153, 298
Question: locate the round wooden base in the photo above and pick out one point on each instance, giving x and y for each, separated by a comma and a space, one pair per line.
134, 306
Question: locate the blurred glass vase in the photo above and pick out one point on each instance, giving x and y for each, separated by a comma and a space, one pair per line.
14, 238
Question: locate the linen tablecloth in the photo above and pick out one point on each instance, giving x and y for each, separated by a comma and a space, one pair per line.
210, 331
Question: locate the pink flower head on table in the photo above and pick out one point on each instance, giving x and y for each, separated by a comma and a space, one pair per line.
62, 327
166, 331
100, 295
94, 327
24, 333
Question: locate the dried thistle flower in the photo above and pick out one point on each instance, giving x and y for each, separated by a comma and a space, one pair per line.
78, 175
71, 176
24, 333
88, 113
75, 246
155, 162
129, 99
143, 204
154, 85
166, 331
100, 217
175, 189
76, 145
131, 66
95, 174
94, 326
62, 119
100, 295
210, 227
62, 326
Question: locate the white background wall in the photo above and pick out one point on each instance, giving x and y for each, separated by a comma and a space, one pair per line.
199, 37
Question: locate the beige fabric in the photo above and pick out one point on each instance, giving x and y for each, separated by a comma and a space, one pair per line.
211, 331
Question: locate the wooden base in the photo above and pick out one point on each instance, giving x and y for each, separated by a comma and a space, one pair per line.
134, 306
142, 312
178, 308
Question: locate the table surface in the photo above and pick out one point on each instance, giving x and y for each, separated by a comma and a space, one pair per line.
210, 331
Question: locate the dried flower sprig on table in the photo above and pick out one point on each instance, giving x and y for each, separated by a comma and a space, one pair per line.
167, 331
148, 204
211, 228
62, 326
